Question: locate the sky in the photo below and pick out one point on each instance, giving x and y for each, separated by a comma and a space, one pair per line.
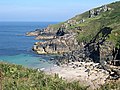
45, 10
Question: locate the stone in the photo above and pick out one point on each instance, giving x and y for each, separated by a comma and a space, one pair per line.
52, 59
33, 33
45, 37
105, 8
91, 13
60, 32
82, 20
115, 62
97, 12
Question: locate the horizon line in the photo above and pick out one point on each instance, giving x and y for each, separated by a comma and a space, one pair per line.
31, 21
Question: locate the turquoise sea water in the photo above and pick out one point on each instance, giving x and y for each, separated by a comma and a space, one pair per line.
15, 47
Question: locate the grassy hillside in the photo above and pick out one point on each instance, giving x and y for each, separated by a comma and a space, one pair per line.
16, 77
91, 26
109, 18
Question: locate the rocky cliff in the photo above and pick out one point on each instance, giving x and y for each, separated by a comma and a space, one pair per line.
93, 35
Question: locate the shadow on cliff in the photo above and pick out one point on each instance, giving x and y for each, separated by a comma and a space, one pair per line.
93, 47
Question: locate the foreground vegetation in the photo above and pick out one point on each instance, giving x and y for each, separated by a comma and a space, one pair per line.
111, 85
15, 77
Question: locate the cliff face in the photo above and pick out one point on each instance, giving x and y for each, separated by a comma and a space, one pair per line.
96, 31
56, 44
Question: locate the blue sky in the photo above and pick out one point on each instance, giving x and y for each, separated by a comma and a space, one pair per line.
45, 10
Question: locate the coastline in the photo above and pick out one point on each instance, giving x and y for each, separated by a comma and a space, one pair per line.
86, 73
16, 47
80, 53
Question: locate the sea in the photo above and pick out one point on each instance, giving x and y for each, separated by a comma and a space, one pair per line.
16, 47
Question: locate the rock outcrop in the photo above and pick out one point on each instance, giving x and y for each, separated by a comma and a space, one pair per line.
45, 36
97, 38
58, 45
93, 13
34, 33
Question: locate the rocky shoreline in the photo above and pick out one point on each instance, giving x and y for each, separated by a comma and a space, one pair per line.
96, 60
75, 61
54, 43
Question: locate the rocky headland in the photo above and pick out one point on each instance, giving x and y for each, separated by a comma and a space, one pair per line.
88, 45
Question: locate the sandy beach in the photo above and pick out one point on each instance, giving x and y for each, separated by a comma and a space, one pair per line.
86, 73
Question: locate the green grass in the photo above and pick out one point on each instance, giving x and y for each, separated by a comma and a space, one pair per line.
91, 26
114, 85
16, 77
107, 19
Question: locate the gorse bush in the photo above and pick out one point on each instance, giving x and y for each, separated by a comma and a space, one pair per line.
15, 77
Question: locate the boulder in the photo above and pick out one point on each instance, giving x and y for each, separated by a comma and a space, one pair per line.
59, 44
45, 37
105, 8
33, 33
91, 13
60, 32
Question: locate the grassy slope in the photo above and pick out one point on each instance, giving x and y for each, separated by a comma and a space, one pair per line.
91, 26
108, 19
15, 77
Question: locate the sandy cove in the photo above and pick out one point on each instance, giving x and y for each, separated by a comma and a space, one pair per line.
86, 73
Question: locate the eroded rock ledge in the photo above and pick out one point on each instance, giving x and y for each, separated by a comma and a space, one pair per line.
54, 42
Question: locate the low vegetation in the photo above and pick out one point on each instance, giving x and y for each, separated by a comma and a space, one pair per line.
16, 77
112, 85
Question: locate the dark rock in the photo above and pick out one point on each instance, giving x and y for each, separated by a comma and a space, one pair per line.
88, 70
105, 8
115, 62
58, 63
60, 32
91, 13
52, 59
